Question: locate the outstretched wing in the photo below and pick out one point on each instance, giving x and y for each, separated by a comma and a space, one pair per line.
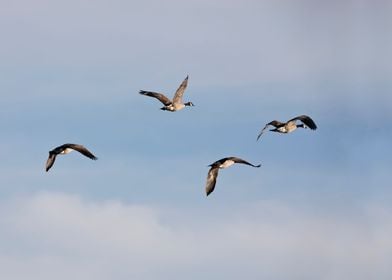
273, 123
180, 91
81, 149
211, 180
240, 160
166, 101
306, 120
50, 161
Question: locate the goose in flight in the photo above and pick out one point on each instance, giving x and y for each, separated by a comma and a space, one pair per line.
220, 164
171, 105
290, 125
65, 149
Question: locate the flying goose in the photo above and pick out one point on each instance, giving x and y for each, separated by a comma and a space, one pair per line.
290, 125
65, 149
220, 164
177, 103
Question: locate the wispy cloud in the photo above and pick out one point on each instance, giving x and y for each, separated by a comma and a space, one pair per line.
53, 235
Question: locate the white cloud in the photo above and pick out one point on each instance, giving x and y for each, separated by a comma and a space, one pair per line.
58, 236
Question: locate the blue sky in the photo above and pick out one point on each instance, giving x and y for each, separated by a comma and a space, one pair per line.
319, 207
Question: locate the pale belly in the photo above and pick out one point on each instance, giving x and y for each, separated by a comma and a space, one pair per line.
290, 129
287, 128
226, 164
178, 106
282, 129
66, 151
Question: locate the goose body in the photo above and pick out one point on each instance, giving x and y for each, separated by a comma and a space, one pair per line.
221, 164
66, 149
171, 105
290, 125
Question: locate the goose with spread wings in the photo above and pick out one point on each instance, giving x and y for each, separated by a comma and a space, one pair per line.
290, 125
171, 105
65, 149
220, 164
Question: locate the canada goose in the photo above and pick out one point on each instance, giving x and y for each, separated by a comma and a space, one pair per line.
290, 125
177, 103
65, 149
220, 164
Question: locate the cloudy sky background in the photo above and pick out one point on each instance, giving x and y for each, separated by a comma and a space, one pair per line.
318, 208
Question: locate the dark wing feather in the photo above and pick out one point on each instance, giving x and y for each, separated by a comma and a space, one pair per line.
81, 149
240, 160
306, 120
50, 161
58, 149
161, 97
276, 123
211, 179
218, 162
180, 91
273, 123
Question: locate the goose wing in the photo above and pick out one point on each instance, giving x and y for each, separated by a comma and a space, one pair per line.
306, 120
50, 161
218, 163
240, 160
274, 123
211, 179
161, 97
180, 91
81, 149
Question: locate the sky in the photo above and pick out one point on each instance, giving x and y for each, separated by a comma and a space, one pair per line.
318, 208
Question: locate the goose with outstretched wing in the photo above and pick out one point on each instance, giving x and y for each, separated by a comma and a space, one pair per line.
290, 125
171, 105
220, 164
66, 149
